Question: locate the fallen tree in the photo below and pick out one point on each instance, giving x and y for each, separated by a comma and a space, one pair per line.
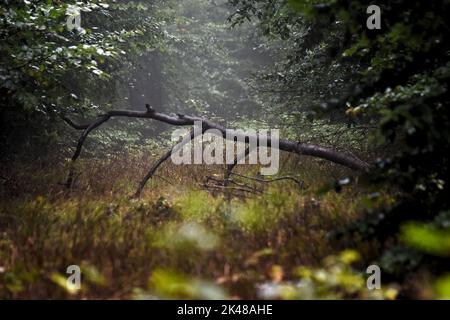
308, 149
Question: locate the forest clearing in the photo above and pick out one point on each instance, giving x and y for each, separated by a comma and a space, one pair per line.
226, 149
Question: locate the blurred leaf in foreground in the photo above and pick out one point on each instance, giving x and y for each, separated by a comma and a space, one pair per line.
172, 285
428, 239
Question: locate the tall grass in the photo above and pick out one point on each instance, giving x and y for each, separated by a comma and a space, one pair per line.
177, 240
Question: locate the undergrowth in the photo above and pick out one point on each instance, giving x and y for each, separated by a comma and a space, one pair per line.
178, 240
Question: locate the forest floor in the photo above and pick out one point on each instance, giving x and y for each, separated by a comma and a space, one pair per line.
178, 240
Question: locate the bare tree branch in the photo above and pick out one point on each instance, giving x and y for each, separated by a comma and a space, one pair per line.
153, 169
308, 149
231, 166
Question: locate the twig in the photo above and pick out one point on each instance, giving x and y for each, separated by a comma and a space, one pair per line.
299, 182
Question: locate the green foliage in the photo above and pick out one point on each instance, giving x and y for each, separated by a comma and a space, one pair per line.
197, 206
394, 80
335, 279
258, 214
427, 239
442, 287
186, 237
91, 276
47, 70
307, 72
206, 64
171, 285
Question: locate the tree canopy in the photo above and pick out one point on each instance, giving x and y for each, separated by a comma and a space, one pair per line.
371, 99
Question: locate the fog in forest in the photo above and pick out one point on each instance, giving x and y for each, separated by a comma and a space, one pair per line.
346, 101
